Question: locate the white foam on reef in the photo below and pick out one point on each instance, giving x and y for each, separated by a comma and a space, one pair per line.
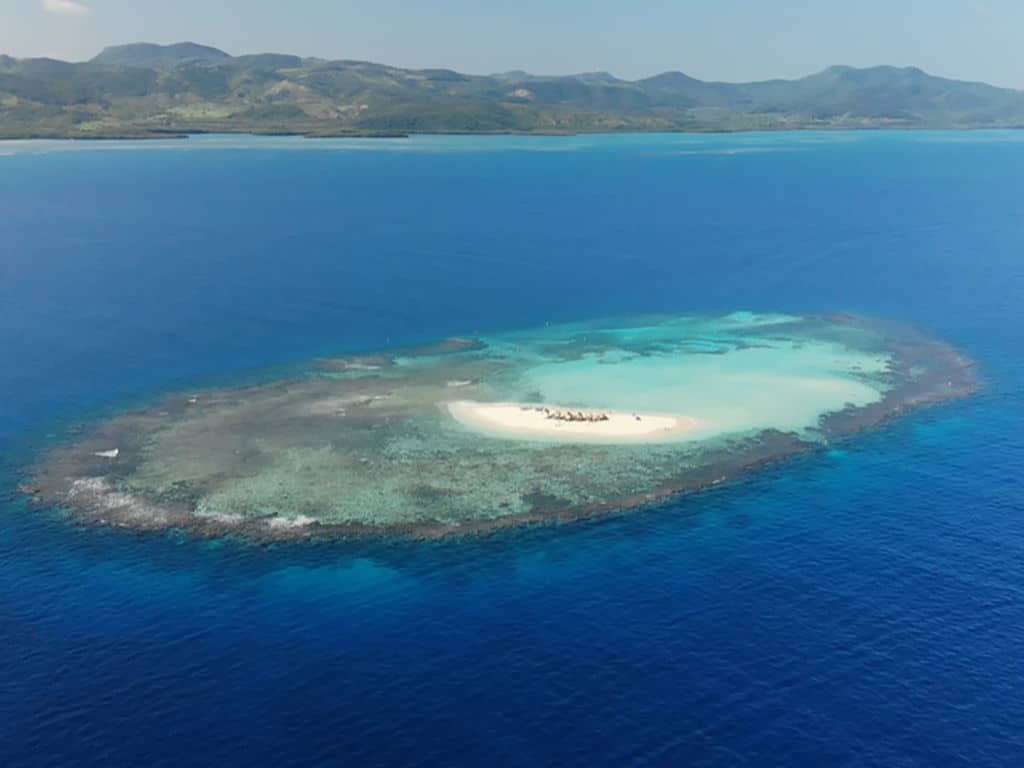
288, 523
224, 518
97, 495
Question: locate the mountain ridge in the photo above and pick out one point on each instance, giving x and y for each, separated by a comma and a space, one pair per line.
146, 89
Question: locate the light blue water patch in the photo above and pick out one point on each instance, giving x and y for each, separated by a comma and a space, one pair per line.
681, 145
736, 374
787, 388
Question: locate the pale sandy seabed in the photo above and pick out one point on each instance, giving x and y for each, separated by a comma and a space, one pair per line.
469, 435
561, 424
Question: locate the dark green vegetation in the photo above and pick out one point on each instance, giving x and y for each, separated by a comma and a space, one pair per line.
147, 90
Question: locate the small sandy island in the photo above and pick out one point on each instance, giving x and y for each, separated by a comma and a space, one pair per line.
550, 422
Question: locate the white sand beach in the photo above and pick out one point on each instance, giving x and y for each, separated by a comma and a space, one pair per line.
550, 422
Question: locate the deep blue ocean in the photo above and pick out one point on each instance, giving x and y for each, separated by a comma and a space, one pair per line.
861, 606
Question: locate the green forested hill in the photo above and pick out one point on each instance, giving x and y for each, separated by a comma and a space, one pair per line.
150, 90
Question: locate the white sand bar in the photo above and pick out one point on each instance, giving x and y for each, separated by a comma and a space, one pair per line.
552, 422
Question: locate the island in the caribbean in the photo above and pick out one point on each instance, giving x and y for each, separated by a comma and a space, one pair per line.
470, 435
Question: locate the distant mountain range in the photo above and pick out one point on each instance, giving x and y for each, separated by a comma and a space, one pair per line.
146, 90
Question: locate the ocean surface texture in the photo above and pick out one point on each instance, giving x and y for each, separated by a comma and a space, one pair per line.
863, 605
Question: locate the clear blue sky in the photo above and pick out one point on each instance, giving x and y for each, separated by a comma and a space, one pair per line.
711, 39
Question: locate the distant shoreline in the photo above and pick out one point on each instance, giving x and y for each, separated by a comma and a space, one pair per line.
142, 90
189, 134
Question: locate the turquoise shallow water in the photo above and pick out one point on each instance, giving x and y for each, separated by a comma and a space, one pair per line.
862, 606
783, 385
